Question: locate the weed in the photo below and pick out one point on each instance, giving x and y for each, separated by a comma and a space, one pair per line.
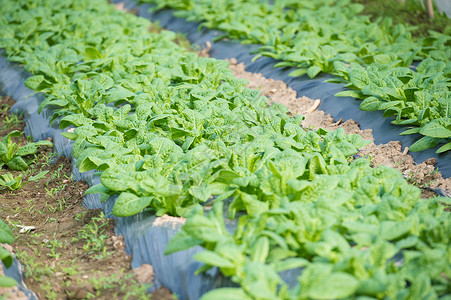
71, 271
131, 288
49, 290
12, 120
54, 245
94, 237
36, 270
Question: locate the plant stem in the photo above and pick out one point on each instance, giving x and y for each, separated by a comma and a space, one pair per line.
430, 9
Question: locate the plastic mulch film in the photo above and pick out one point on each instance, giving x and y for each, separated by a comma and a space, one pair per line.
338, 107
16, 271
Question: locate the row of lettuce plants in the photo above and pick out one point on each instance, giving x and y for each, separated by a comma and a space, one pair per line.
171, 132
328, 35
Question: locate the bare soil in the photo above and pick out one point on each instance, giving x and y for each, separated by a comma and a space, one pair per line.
68, 252
423, 175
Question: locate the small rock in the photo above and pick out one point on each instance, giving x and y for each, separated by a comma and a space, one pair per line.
161, 293
144, 274
118, 242
431, 161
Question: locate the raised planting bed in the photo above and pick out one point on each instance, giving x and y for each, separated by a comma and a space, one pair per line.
294, 42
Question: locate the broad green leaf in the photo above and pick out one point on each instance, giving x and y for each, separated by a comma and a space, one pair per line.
6, 235
392, 230
128, 204
298, 72
226, 294
98, 188
424, 143
77, 120
291, 263
92, 53
90, 163
226, 176
112, 180
353, 94
43, 143
253, 206
28, 149
313, 71
213, 259
181, 241
6, 281
411, 131
261, 250
439, 128
18, 164
341, 68
371, 286
33, 82
359, 78
3, 149
317, 165
337, 285
369, 104
444, 148
69, 135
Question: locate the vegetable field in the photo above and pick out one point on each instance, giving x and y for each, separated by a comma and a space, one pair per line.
266, 206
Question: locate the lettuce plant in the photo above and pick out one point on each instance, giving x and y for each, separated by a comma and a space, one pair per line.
325, 36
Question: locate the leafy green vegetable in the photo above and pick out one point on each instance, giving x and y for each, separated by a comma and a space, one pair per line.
324, 35
416, 98
369, 242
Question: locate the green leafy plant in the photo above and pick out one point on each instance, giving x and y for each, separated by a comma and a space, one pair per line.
6, 236
324, 36
15, 183
11, 182
11, 154
329, 242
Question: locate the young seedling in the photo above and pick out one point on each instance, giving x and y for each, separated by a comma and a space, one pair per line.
93, 234
11, 121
